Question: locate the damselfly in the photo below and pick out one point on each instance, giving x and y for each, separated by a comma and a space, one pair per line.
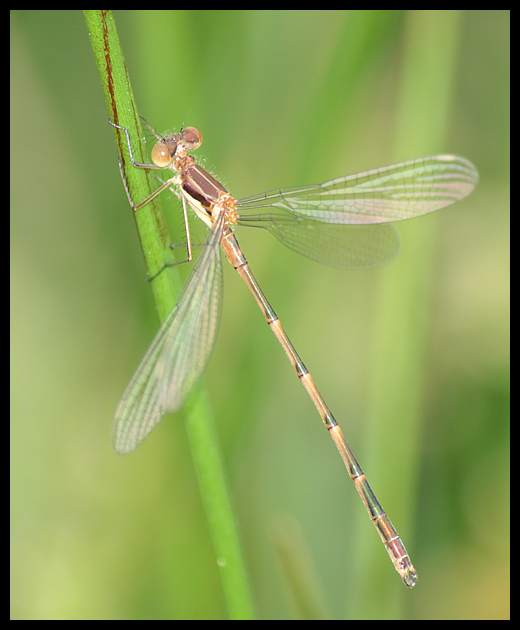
343, 222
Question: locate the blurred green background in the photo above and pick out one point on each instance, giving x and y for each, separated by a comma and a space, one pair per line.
282, 98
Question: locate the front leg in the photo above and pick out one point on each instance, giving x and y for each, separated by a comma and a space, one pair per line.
164, 184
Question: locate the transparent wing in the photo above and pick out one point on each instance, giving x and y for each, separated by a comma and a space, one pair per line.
391, 193
337, 245
179, 353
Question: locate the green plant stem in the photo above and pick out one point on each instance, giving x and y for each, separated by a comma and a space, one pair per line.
155, 241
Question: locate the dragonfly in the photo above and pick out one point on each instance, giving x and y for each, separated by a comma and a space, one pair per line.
345, 222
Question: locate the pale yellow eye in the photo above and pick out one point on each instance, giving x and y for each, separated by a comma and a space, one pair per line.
192, 138
161, 155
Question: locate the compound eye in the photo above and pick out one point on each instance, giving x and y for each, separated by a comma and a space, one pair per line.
192, 138
161, 155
